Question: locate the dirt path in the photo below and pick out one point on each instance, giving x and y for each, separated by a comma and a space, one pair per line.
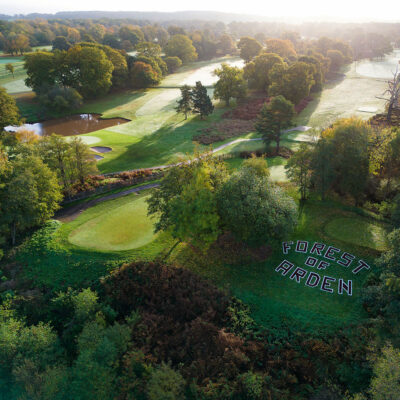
70, 213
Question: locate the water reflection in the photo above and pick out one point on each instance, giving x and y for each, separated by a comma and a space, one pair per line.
68, 126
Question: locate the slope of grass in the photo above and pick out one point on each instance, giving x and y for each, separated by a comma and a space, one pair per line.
277, 300
342, 98
359, 232
125, 227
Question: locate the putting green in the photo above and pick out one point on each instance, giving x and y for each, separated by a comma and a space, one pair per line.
358, 231
123, 228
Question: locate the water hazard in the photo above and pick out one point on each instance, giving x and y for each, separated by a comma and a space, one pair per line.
72, 125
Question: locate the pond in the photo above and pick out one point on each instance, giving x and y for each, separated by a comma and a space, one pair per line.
379, 68
68, 126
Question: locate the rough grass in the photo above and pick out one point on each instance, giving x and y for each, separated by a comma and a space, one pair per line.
125, 227
276, 300
359, 232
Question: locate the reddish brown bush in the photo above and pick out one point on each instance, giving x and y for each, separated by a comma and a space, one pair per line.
283, 152
248, 110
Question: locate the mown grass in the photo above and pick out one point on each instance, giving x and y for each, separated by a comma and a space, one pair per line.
58, 264
342, 98
126, 226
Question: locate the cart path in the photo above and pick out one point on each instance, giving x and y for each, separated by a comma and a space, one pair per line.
70, 213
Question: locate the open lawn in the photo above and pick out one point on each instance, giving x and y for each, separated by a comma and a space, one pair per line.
358, 231
13, 84
58, 263
276, 167
343, 98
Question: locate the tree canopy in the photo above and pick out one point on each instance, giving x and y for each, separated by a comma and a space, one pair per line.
230, 84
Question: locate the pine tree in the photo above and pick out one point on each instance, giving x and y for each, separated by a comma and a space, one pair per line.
202, 103
185, 102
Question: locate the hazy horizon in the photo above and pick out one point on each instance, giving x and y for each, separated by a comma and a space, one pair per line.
342, 11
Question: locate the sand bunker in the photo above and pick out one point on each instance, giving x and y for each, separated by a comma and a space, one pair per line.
367, 109
97, 157
101, 149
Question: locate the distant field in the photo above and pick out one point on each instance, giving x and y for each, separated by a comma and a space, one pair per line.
342, 99
13, 84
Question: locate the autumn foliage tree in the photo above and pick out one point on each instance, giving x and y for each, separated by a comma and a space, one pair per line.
142, 75
230, 84
249, 48
182, 47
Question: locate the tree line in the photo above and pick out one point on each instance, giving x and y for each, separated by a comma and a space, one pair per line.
35, 173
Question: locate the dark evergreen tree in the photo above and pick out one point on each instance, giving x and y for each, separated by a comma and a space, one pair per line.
202, 103
185, 102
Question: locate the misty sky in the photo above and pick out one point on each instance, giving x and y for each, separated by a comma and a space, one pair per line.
357, 10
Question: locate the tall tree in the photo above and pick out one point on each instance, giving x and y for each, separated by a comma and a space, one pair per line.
30, 194
298, 169
173, 63
385, 385
9, 112
181, 46
282, 47
82, 158
142, 75
56, 153
185, 103
249, 48
257, 71
90, 71
273, 118
255, 210
185, 202
61, 43
40, 69
230, 84
10, 68
392, 95
293, 82
202, 103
